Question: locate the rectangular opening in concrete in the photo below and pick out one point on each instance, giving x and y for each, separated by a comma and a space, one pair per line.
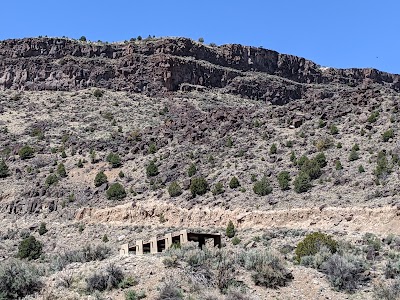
176, 240
160, 245
146, 247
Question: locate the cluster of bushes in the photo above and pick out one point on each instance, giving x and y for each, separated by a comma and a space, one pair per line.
108, 280
267, 267
85, 254
30, 248
309, 170
18, 279
345, 271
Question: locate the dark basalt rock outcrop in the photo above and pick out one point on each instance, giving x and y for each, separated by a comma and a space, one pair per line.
157, 66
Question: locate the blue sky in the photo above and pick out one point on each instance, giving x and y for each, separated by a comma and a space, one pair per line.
336, 33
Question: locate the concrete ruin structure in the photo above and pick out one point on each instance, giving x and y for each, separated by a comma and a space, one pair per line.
162, 243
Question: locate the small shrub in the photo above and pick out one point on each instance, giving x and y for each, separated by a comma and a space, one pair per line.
302, 160
105, 238
313, 243
382, 168
192, 170
61, 170
174, 189
116, 192
387, 135
392, 269
201, 40
302, 182
198, 186
218, 188
320, 158
18, 279
4, 171
108, 280
26, 152
334, 130
170, 291
268, 268
353, 155
262, 187
312, 168
98, 93
273, 149
83, 38
50, 180
114, 160
284, 180
132, 295
344, 273
373, 117
387, 290
234, 183
229, 142
42, 228
236, 241
152, 148
230, 230
338, 165
151, 169
100, 179
121, 174
293, 157
30, 248
361, 169
80, 163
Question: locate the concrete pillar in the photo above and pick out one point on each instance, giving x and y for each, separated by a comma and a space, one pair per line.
153, 245
168, 240
183, 237
124, 250
139, 247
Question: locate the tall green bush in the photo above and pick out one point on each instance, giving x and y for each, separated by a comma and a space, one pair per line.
30, 248
198, 186
302, 182
262, 187
284, 180
116, 192
230, 230
234, 183
100, 179
114, 160
313, 242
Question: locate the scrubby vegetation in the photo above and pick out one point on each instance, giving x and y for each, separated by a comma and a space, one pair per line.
174, 189
198, 186
116, 192
26, 152
18, 279
30, 248
100, 179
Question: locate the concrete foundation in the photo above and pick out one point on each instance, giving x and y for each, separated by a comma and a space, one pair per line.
159, 244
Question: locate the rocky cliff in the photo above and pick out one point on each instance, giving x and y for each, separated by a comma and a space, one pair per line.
156, 66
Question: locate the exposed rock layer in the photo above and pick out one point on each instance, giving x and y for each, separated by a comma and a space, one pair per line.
160, 65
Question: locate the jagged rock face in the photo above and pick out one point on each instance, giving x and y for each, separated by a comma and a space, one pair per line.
162, 65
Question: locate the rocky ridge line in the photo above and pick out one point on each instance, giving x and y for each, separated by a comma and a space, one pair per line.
157, 66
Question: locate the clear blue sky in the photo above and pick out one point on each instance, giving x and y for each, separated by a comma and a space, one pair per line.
337, 33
